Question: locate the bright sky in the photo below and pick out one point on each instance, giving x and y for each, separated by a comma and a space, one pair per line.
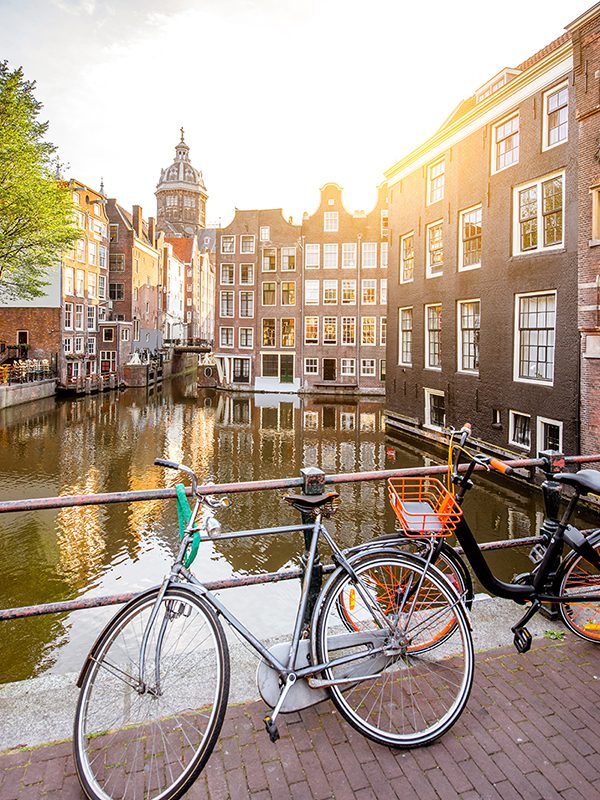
277, 97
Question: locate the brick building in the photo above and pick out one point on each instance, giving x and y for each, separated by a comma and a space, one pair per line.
135, 273
484, 233
302, 308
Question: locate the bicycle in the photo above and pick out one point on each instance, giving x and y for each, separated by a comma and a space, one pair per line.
154, 687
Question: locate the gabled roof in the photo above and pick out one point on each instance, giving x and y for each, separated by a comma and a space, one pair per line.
183, 247
127, 221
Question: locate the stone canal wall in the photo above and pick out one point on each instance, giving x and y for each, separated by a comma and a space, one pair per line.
15, 393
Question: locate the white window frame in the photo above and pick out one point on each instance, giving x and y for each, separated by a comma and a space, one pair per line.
312, 256
331, 254
363, 320
312, 290
545, 127
426, 328
251, 293
351, 285
330, 343
429, 393
330, 286
383, 331
351, 341
265, 233
349, 255
401, 334
366, 285
517, 338
246, 238
246, 346
461, 246
265, 260
369, 255
459, 338
540, 248
404, 279
262, 295
222, 329
365, 372
306, 321
540, 422
383, 255
222, 274
428, 265
383, 287
331, 221
293, 285
348, 367
228, 238
242, 281
511, 415
68, 314
494, 169
227, 316
312, 362
286, 252
438, 188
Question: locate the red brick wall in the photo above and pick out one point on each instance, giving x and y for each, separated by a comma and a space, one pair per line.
42, 324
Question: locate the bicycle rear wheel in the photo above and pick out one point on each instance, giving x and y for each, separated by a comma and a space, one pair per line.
152, 740
398, 690
577, 576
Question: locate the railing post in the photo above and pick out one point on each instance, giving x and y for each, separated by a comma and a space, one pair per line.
313, 484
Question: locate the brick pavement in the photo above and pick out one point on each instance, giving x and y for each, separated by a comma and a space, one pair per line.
531, 730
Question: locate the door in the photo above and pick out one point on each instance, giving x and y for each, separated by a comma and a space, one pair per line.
329, 369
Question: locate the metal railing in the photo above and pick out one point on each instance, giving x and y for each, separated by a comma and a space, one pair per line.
107, 498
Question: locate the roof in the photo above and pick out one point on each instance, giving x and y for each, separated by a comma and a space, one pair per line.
127, 219
183, 247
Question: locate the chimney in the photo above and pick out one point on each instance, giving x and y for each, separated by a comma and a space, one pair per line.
137, 221
152, 231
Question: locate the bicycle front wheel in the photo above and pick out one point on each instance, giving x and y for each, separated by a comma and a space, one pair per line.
149, 736
579, 577
392, 685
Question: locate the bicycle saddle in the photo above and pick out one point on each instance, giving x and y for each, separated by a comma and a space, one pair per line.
586, 480
308, 501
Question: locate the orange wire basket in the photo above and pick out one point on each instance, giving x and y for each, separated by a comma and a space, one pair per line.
423, 506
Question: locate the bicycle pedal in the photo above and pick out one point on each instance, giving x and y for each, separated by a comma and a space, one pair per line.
536, 553
522, 640
271, 727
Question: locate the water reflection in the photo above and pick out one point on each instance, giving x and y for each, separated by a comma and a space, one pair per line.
108, 443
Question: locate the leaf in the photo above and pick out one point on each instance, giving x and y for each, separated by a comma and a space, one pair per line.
554, 635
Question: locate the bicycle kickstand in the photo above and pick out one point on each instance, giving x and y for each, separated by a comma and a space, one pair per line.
269, 720
522, 640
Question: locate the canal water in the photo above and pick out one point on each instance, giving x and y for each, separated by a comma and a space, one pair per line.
108, 443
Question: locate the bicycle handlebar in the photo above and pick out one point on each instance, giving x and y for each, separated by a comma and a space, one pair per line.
500, 466
162, 462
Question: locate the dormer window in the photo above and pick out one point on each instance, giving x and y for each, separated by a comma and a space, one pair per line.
497, 82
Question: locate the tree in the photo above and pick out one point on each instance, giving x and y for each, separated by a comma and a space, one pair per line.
36, 212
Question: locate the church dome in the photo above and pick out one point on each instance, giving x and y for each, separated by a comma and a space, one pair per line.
181, 174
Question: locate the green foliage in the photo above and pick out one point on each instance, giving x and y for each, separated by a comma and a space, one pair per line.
36, 212
555, 636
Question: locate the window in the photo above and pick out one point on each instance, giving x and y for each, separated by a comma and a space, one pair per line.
383, 291
247, 274
92, 253
505, 143
407, 257
116, 291
311, 366
405, 328
435, 249
125, 334
312, 256
369, 292
288, 332
269, 259
102, 287
367, 335
68, 345
268, 337
433, 322
435, 409
246, 304
108, 335
520, 429
69, 316
108, 360
91, 346
311, 293
311, 420
538, 208
367, 367
369, 255
226, 337
269, 293
382, 370
136, 328
468, 335
228, 245
227, 273
383, 257
116, 262
246, 244
549, 434
278, 366
349, 255
246, 337
348, 330
80, 283
556, 116
534, 337
113, 233
171, 199
330, 256
311, 330
80, 248
331, 221
330, 292
329, 330
348, 293
288, 259
92, 284
91, 318
383, 330
227, 304
348, 367
69, 281
265, 233
469, 256
102, 256
436, 174
288, 293
241, 370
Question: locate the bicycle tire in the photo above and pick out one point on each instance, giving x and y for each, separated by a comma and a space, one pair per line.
448, 562
152, 743
410, 698
577, 576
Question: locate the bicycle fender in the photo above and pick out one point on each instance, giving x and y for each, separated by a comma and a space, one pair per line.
580, 543
101, 636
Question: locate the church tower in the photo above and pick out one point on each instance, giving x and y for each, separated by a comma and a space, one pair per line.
181, 196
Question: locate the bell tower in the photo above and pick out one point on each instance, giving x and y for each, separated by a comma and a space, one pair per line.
181, 196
